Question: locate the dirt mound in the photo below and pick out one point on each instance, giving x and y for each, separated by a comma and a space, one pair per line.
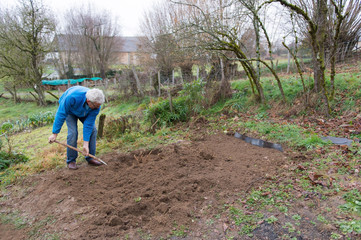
145, 192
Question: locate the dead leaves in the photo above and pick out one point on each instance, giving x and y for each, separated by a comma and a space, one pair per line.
320, 179
300, 167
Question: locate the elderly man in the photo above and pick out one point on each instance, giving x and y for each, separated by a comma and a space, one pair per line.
84, 104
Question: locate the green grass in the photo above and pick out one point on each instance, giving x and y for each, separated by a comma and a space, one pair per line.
41, 154
352, 226
11, 111
346, 84
123, 107
292, 135
353, 202
179, 231
348, 92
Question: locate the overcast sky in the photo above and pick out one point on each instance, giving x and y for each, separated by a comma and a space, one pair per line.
129, 12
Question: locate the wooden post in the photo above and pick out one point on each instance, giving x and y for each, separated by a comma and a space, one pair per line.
106, 83
170, 97
158, 83
170, 101
289, 62
181, 77
101, 125
150, 80
139, 87
173, 76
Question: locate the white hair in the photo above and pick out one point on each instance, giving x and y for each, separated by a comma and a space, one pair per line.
95, 95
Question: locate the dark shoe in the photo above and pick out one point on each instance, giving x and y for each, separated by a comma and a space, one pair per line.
94, 162
72, 166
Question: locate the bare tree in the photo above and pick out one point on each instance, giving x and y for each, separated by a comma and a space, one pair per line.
164, 42
25, 36
345, 29
316, 18
256, 7
218, 27
316, 26
96, 36
294, 53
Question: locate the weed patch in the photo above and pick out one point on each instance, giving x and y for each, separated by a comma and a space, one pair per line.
7, 159
14, 219
353, 202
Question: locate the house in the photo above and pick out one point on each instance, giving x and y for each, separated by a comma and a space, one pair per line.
126, 52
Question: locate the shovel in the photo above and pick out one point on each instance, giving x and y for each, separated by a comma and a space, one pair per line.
92, 156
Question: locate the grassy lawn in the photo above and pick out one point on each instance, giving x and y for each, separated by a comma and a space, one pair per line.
11, 111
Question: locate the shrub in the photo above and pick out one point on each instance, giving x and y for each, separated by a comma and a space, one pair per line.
34, 121
6, 127
161, 113
41, 119
190, 102
7, 159
119, 126
193, 94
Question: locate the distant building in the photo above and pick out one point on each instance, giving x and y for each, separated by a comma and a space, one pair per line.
126, 52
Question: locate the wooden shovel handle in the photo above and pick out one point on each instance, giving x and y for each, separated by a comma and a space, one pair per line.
90, 155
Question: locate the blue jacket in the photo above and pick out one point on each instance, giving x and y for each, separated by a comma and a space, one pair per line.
73, 101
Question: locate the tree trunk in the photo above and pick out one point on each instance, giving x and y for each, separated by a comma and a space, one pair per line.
13, 93
323, 34
251, 73
41, 97
159, 82
258, 48
340, 19
225, 87
187, 72
139, 87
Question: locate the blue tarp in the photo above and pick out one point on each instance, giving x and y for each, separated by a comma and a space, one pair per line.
65, 81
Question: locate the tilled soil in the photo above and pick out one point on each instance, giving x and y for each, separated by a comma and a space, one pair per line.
144, 193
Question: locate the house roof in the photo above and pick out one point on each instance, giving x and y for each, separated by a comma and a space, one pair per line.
127, 44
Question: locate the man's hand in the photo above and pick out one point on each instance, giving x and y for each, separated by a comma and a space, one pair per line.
86, 148
52, 137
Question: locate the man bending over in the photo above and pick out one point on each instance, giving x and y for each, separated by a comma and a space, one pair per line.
84, 104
